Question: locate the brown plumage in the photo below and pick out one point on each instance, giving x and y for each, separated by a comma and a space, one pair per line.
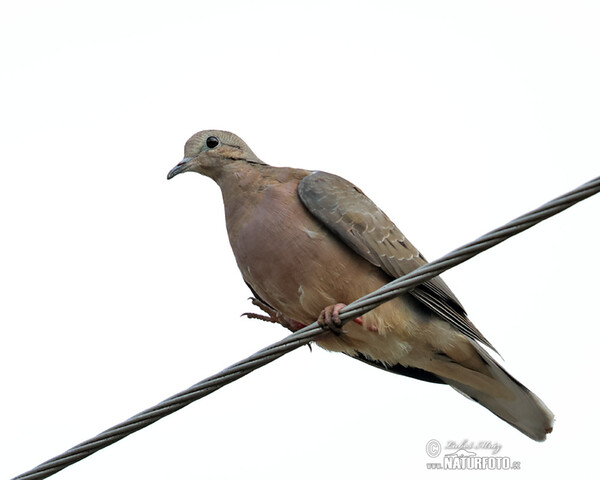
308, 241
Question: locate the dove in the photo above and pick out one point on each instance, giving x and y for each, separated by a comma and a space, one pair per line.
307, 243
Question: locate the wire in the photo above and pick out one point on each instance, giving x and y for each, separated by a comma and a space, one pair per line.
309, 333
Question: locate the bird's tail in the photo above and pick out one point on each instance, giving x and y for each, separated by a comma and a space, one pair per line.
502, 394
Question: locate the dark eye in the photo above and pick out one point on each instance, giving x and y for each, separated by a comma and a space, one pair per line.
212, 142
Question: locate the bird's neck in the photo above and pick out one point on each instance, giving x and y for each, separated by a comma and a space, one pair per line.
239, 178
247, 187
240, 183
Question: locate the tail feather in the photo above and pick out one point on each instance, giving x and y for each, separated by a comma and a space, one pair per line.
504, 396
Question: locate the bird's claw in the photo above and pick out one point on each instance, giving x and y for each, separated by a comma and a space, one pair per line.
329, 319
258, 316
273, 316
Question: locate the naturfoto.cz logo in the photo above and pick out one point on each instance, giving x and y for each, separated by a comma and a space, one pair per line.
465, 456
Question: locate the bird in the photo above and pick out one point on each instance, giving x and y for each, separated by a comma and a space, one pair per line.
307, 243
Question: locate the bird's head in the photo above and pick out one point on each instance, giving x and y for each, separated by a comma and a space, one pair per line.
209, 151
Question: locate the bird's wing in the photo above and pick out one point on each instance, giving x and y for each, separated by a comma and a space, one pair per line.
358, 222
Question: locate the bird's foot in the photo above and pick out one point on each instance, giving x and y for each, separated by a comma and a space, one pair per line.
273, 316
329, 318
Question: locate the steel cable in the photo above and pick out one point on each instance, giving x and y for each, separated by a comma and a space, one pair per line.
309, 333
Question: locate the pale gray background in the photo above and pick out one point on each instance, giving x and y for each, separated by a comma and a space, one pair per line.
119, 288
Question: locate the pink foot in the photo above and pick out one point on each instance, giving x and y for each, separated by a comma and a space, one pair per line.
329, 318
273, 316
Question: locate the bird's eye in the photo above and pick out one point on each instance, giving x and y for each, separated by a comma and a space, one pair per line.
212, 142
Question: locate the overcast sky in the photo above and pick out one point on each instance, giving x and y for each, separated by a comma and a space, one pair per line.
119, 289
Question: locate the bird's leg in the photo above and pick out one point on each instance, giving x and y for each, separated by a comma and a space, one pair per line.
329, 318
273, 316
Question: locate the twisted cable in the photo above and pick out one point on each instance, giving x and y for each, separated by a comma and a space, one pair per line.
301, 337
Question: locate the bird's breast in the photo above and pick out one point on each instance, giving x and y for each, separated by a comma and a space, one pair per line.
289, 258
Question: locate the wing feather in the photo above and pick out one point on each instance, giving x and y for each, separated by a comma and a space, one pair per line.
357, 221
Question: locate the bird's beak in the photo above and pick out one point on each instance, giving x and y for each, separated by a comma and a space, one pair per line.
179, 168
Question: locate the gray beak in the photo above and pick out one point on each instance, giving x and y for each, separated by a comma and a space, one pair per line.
179, 168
